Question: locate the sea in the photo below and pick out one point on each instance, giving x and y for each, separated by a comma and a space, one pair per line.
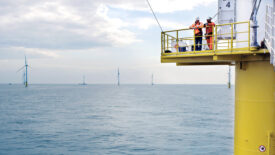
116, 120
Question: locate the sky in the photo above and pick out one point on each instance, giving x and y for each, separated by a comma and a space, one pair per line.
66, 39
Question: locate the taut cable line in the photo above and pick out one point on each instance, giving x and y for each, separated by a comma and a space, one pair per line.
154, 15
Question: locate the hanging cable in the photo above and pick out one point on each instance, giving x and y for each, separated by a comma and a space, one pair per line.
154, 15
216, 14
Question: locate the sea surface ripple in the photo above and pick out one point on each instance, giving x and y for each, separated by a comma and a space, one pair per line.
107, 119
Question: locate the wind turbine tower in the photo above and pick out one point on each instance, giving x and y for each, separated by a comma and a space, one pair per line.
26, 72
83, 82
152, 79
118, 77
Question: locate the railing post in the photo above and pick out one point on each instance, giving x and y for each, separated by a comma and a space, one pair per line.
164, 42
232, 36
178, 42
161, 42
249, 35
216, 38
212, 40
194, 49
167, 42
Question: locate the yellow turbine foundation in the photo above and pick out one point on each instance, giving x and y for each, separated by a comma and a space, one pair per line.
254, 108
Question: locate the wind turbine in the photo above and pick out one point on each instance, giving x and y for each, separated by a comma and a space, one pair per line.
152, 79
26, 72
83, 83
118, 77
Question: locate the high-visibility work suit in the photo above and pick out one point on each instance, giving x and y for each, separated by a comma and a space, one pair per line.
209, 34
197, 26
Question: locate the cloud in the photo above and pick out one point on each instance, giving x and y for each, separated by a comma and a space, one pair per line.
114, 28
148, 22
61, 25
41, 52
18, 52
53, 25
162, 6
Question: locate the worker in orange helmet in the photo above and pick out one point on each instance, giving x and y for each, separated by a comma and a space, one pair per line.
197, 26
209, 26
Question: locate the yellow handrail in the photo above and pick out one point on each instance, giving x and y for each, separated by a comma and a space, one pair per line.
218, 35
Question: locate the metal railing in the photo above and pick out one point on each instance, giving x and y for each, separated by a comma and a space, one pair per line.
182, 41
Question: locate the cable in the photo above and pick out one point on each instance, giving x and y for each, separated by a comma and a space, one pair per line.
255, 9
258, 6
155, 15
216, 14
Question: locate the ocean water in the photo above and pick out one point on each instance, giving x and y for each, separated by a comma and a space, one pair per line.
106, 119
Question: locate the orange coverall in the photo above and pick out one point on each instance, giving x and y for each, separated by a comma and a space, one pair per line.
209, 32
197, 26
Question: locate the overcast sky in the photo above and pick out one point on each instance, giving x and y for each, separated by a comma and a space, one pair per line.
66, 39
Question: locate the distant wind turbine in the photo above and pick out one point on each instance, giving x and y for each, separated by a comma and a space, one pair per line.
83, 83
152, 79
26, 72
118, 77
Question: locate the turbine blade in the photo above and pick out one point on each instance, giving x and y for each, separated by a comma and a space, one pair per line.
21, 69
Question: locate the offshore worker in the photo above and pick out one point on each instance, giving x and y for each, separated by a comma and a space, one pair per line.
209, 26
197, 26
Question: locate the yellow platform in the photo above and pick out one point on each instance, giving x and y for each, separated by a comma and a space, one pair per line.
225, 52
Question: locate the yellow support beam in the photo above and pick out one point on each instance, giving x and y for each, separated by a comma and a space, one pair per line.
200, 64
188, 60
259, 57
227, 57
238, 51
